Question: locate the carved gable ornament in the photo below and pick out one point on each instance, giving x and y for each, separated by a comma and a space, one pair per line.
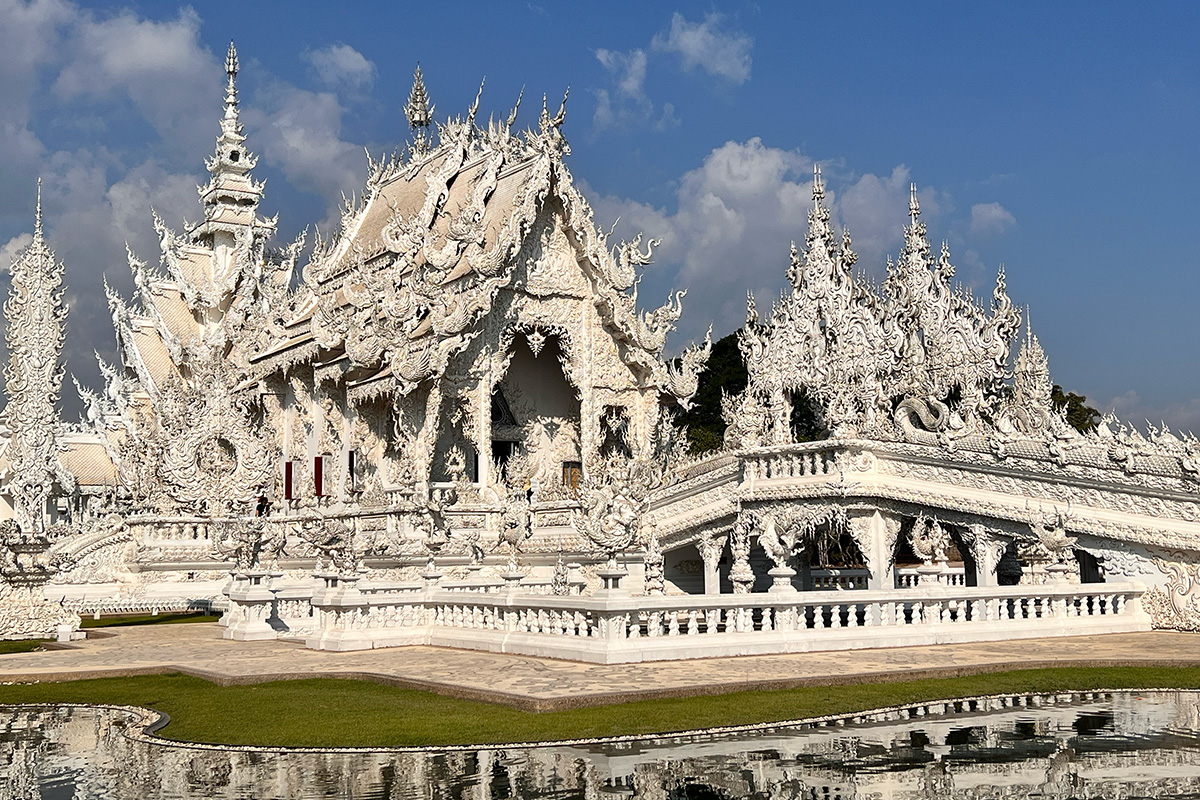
218, 457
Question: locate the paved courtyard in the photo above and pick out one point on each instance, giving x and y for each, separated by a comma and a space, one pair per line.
546, 684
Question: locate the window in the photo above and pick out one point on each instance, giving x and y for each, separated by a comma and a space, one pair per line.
572, 473
289, 492
319, 476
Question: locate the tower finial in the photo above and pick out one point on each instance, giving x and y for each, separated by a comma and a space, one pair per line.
818, 190
231, 69
37, 220
914, 207
417, 110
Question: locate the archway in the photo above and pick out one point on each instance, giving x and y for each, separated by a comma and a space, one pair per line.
535, 419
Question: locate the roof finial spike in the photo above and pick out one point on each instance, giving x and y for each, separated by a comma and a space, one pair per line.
231, 69
512, 116
37, 219
914, 207
818, 190
475, 106
417, 110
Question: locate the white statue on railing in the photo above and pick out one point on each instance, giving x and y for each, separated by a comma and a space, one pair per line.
616, 497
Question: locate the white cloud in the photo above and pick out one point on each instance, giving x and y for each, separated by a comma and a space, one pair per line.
300, 132
627, 102
723, 54
13, 248
161, 67
340, 66
735, 216
990, 219
628, 69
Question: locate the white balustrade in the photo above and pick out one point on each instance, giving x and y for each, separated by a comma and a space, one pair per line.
839, 579
909, 577
628, 629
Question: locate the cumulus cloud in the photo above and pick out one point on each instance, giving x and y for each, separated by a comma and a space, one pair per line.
735, 216
627, 102
160, 67
704, 45
340, 66
990, 219
13, 248
300, 132
699, 45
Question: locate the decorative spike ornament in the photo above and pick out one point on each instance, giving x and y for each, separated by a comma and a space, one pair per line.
418, 110
35, 317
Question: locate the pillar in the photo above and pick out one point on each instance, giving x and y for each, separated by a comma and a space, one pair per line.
711, 548
875, 532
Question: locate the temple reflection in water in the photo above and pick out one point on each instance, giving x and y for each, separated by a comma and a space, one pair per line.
1077, 745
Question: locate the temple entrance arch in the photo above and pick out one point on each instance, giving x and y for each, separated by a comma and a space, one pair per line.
533, 430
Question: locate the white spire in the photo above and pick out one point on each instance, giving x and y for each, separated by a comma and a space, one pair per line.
34, 316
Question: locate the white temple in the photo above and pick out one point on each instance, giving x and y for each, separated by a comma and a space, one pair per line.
456, 426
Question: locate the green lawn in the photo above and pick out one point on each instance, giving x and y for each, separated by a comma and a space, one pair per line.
325, 712
20, 645
147, 619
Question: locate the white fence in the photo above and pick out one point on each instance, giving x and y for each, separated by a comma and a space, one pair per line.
618, 629
910, 577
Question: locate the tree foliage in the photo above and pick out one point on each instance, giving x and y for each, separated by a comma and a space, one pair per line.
1081, 416
725, 371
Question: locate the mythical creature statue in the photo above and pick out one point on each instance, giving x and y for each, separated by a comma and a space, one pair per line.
614, 503
771, 542
516, 525
1053, 544
249, 542
929, 539
333, 540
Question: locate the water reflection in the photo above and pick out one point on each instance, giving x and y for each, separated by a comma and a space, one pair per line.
1065, 746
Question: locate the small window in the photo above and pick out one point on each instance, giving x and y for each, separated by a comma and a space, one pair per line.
234, 155
319, 476
288, 486
572, 473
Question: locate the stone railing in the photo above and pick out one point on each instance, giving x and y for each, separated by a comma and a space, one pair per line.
910, 577
616, 628
814, 460
835, 579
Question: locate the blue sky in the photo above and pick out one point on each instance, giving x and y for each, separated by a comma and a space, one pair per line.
1058, 139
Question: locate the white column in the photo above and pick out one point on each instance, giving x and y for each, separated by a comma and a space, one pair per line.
875, 534
711, 548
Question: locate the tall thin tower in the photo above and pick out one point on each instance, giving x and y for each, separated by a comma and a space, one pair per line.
35, 319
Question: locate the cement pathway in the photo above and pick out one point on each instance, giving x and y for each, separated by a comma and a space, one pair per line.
541, 684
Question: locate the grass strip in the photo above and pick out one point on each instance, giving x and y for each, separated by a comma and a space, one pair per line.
146, 619
333, 712
21, 645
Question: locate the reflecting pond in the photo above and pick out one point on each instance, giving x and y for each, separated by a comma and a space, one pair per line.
1079, 745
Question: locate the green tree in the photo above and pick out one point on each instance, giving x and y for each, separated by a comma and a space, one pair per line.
1081, 416
725, 370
